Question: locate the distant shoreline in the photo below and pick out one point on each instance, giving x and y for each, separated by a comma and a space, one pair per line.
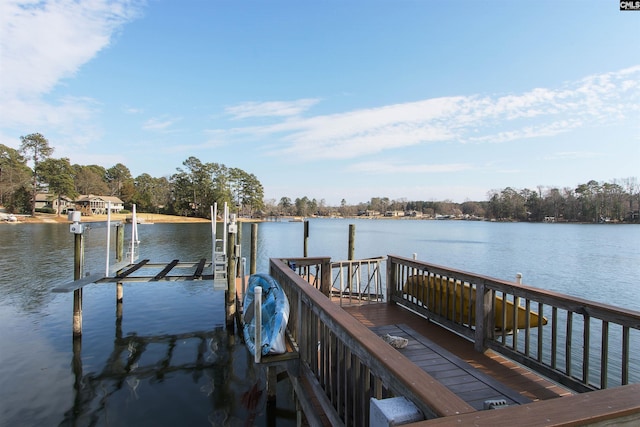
142, 217
149, 218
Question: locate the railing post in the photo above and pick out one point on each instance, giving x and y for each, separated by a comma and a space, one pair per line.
325, 279
391, 274
483, 317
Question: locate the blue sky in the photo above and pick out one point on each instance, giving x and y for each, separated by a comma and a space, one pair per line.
421, 100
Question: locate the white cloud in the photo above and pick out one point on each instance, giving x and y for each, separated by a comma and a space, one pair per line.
386, 167
132, 110
41, 44
160, 124
572, 155
270, 109
542, 112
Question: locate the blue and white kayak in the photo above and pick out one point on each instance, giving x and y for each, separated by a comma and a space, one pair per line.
275, 314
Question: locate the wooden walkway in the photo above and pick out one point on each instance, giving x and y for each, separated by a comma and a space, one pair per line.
513, 376
468, 383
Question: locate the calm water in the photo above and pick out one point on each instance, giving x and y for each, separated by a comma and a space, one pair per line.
170, 361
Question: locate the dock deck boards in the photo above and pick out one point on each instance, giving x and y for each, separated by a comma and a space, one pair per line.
512, 375
470, 384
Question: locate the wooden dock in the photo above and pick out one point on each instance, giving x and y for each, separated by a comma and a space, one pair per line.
467, 382
456, 367
527, 383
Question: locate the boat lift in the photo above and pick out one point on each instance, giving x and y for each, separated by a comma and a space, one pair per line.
122, 271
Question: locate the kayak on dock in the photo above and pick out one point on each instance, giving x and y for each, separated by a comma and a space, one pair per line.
275, 314
442, 291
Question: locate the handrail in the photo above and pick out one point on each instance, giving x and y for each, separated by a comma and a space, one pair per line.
615, 406
359, 280
316, 271
549, 327
348, 362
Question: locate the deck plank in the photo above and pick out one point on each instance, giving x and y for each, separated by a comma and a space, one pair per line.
512, 375
477, 387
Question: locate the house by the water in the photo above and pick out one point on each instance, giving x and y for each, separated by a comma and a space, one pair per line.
88, 204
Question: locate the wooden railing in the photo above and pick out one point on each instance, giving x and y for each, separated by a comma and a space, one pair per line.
357, 280
343, 361
582, 344
316, 271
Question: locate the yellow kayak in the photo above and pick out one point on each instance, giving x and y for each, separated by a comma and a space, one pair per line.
452, 299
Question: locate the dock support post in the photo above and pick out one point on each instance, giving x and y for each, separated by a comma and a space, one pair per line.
78, 265
272, 383
351, 255
231, 277
305, 252
119, 242
254, 249
119, 258
352, 242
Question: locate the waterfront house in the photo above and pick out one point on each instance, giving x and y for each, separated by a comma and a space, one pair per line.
97, 205
53, 201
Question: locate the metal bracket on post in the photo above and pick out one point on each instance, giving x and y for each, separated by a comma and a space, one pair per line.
75, 217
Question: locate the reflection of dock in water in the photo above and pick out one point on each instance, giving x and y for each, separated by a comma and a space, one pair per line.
202, 359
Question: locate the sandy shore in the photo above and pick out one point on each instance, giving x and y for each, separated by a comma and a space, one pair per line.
145, 217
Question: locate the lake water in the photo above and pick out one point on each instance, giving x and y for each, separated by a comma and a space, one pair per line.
169, 360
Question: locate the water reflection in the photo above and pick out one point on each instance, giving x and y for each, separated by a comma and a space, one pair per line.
142, 368
157, 367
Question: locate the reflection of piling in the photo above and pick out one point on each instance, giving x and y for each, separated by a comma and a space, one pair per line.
76, 364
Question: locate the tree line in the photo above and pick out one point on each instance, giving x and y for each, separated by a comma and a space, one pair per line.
197, 185
189, 192
593, 201
616, 201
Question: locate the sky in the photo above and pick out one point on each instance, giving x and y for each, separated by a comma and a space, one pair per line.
331, 99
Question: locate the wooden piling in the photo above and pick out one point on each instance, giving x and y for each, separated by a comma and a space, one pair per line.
352, 242
78, 266
231, 281
254, 249
119, 242
306, 239
119, 293
119, 258
351, 254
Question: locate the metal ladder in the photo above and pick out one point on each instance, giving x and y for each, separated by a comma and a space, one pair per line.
219, 266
